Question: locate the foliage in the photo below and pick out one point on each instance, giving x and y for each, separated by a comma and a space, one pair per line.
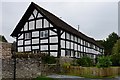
66, 64
48, 59
74, 63
85, 61
115, 57
109, 43
104, 61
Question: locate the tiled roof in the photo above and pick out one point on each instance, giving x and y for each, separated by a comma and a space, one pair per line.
57, 22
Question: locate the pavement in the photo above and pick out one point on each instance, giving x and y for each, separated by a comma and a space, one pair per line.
66, 77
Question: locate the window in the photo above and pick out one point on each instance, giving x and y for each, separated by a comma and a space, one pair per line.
44, 47
44, 34
27, 36
67, 52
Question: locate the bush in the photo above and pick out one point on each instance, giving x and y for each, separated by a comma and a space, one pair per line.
48, 59
66, 64
85, 61
104, 61
115, 58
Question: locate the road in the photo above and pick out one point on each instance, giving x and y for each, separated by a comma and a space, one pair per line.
66, 77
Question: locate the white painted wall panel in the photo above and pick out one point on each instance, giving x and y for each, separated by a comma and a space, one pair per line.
46, 23
53, 54
75, 46
35, 34
39, 15
20, 49
63, 35
27, 48
27, 42
35, 12
35, 41
31, 25
38, 23
71, 45
52, 33
26, 27
53, 39
35, 47
20, 42
62, 44
67, 44
62, 52
21, 36
44, 41
53, 47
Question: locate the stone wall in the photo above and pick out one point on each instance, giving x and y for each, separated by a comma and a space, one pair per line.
26, 68
5, 50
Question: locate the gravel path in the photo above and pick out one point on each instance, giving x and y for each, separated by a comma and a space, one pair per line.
66, 77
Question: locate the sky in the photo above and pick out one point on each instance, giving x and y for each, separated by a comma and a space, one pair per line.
97, 19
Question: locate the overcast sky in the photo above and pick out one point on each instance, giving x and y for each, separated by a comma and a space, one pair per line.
96, 19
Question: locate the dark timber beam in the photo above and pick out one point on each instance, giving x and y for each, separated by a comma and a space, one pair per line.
59, 47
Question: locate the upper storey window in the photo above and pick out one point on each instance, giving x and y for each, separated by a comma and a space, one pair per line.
44, 34
27, 35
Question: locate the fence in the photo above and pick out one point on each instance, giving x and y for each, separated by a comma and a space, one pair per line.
91, 71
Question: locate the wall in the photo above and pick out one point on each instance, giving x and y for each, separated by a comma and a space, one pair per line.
26, 68
5, 50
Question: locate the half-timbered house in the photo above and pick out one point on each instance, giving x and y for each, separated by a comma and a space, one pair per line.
40, 30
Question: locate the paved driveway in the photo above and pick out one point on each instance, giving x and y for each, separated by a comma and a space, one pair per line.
66, 77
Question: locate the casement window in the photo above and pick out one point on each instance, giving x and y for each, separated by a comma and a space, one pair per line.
27, 36
44, 34
67, 52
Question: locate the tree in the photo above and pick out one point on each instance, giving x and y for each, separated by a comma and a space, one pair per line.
109, 43
115, 57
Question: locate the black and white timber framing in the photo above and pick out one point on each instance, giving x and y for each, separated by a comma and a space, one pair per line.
40, 30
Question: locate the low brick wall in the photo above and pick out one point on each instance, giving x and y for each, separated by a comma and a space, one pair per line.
92, 71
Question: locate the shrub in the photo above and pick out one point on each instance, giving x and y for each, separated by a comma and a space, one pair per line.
104, 61
66, 64
115, 58
85, 61
48, 59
